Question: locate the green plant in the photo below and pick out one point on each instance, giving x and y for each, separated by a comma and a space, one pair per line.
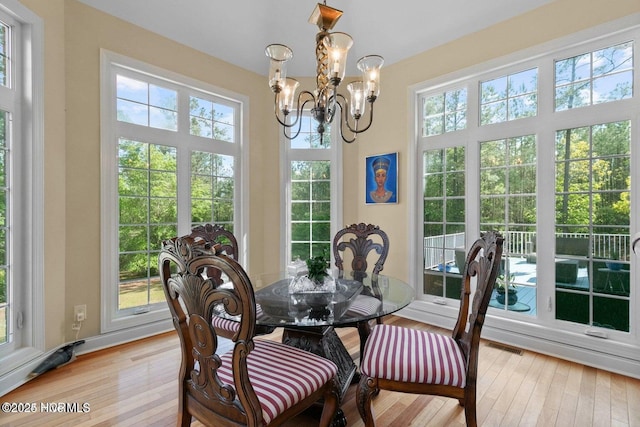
317, 267
502, 283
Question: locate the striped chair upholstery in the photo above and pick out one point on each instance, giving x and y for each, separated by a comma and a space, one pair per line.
364, 305
423, 362
227, 324
276, 377
410, 355
257, 382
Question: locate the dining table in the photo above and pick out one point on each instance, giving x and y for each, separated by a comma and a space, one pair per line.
310, 314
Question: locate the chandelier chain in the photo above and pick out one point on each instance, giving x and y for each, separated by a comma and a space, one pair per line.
322, 65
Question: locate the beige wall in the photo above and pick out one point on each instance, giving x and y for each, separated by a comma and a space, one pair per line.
74, 36
52, 13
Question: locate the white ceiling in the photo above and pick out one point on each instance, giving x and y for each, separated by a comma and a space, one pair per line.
237, 31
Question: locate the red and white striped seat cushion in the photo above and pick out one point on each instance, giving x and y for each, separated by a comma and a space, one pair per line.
410, 355
281, 375
364, 305
230, 323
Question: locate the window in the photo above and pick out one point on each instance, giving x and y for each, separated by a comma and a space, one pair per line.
508, 204
443, 221
147, 201
445, 112
593, 178
6, 288
603, 75
312, 181
5, 55
21, 191
211, 119
509, 97
558, 184
178, 164
146, 104
310, 209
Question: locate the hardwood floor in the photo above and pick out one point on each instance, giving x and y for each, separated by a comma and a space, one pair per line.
135, 385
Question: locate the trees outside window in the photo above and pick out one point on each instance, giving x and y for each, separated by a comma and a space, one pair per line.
545, 157
312, 179
593, 180
178, 164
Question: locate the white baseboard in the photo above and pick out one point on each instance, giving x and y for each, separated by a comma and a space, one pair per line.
123, 336
32, 358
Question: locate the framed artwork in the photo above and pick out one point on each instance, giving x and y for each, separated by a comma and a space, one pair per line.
381, 179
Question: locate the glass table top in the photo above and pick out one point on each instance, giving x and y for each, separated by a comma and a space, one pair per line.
347, 300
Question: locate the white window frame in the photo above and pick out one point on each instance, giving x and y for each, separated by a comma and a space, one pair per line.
543, 333
156, 318
288, 155
26, 217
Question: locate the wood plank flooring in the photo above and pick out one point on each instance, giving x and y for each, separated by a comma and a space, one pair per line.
135, 385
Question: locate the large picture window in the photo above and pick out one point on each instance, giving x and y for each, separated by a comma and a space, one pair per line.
179, 161
556, 180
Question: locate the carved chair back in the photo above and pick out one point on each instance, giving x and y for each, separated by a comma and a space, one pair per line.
359, 240
192, 299
215, 234
483, 264
230, 388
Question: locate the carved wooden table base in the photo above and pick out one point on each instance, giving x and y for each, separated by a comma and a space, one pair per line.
324, 341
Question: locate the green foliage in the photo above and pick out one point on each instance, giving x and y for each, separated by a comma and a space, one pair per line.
317, 267
502, 282
310, 208
593, 176
148, 206
3, 286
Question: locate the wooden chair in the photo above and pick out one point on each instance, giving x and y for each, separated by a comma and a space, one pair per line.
217, 234
358, 239
258, 382
416, 361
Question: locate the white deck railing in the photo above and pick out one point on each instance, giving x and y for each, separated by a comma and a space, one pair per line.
520, 243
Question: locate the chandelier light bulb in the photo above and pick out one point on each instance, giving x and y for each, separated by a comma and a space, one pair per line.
358, 98
287, 95
338, 45
279, 55
370, 68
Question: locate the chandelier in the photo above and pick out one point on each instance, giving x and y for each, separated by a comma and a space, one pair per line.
324, 103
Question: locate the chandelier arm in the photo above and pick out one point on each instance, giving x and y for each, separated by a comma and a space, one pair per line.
343, 119
275, 113
331, 104
299, 111
370, 120
355, 129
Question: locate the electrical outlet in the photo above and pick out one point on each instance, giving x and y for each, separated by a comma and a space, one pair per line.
80, 313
